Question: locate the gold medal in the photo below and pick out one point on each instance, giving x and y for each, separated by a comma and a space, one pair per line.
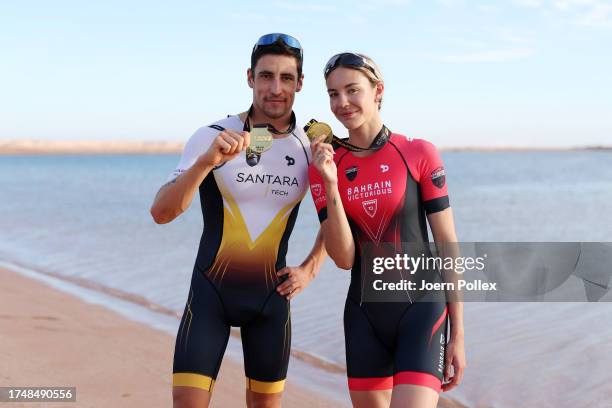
315, 129
261, 139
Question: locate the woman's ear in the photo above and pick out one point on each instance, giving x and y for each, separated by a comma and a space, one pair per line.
380, 90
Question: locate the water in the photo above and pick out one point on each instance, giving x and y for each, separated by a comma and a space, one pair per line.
88, 217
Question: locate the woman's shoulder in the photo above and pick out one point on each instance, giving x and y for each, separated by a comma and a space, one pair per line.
414, 149
410, 142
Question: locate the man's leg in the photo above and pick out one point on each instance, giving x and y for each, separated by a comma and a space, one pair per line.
259, 400
200, 344
190, 397
266, 343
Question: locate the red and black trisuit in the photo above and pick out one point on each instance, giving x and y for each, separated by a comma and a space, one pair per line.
386, 197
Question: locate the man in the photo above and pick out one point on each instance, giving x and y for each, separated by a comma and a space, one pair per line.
250, 201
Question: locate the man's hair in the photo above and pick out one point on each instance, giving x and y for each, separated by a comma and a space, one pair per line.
276, 48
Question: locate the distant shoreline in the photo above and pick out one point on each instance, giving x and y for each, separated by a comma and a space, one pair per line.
525, 149
52, 147
49, 147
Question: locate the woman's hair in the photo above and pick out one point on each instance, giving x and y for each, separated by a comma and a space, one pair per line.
374, 79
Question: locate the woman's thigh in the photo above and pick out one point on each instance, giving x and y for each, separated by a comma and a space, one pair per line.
407, 395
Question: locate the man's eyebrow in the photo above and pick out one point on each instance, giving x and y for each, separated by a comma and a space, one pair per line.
266, 72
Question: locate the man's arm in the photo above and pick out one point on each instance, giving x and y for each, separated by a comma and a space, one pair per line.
300, 276
317, 255
174, 197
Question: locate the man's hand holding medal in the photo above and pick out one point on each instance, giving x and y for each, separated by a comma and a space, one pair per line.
227, 145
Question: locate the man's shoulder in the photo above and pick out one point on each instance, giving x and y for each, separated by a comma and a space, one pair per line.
231, 122
300, 134
203, 136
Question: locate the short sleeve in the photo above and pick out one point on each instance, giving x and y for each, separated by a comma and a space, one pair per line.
432, 177
194, 148
317, 190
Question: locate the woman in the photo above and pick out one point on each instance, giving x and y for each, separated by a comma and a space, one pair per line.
381, 187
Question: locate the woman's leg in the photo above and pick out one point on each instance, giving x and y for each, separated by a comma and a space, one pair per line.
371, 399
419, 356
409, 396
368, 361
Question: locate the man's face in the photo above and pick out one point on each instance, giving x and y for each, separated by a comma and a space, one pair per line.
275, 82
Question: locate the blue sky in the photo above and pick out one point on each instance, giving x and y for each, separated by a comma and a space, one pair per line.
458, 73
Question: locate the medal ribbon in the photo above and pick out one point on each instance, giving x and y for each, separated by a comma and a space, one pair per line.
379, 140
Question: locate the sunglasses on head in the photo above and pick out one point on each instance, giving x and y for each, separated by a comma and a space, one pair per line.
270, 39
348, 59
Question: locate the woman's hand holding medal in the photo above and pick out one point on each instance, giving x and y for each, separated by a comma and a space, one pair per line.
320, 135
323, 159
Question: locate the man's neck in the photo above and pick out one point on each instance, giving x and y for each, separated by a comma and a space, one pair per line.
281, 124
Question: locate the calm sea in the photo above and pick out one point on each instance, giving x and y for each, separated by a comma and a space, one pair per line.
87, 217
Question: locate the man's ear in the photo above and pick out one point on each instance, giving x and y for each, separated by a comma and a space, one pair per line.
250, 79
300, 82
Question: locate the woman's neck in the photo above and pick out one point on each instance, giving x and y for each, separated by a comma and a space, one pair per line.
364, 135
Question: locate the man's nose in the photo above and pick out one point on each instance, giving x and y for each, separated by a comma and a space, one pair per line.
275, 87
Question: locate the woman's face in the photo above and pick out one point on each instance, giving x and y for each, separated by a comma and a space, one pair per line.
352, 97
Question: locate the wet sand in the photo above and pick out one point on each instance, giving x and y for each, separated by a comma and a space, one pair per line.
50, 338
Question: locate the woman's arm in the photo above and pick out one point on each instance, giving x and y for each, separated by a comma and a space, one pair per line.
443, 230
336, 230
337, 233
